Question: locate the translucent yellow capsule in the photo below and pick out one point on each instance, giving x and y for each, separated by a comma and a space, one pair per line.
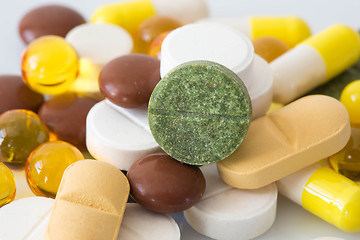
49, 65
347, 161
7, 185
350, 97
46, 165
87, 82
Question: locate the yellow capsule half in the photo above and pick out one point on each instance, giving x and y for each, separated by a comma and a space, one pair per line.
127, 14
334, 198
290, 30
339, 47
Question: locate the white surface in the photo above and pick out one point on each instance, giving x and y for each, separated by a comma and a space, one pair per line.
261, 90
138, 116
141, 224
292, 186
113, 138
208, 41
232, 214
25, 219
292, 221
296, 72
100, 42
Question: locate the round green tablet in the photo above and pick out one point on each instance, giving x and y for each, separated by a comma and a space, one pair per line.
199, 112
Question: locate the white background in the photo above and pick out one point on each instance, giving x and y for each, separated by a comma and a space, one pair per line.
292, 221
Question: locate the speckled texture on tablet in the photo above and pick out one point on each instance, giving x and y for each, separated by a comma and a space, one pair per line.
199, 113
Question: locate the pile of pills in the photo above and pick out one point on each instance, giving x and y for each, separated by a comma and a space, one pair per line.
153, 108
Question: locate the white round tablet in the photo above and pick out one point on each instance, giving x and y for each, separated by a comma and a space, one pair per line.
231, 214
141, 224
114, 138
208, 41
25, 218
100, 42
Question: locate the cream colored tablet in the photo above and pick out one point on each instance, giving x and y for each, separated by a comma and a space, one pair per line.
90, 202
142, 224
114, 138
287, 140
25, 218
228, 213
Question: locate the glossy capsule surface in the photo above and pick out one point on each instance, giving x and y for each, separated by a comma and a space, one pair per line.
49, 65
7, 185
347, 161
150, 29
21, 131
350, 97
46, 165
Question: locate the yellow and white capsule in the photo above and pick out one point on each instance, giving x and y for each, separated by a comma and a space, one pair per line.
314, 61
289, 29
325, 193
130, 14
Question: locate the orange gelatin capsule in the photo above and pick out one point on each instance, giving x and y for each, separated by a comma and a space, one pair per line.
150, 29
7, 185
46, 165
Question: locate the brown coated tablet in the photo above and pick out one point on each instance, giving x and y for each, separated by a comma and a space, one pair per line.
129, 80
162, 184
65, 115
14, 94
48, 20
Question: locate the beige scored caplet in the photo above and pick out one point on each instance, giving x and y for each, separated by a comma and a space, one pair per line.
287, 140
90, 202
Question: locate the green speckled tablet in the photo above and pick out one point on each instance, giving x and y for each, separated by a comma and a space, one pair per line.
199, 113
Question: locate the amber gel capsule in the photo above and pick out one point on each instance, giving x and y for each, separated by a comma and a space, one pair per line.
46, 165
7, 185
49, 65
21, 132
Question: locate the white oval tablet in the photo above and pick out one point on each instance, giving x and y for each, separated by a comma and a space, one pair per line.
113, 138
141, 224
208, 41
231, 214
25, 218
100, 42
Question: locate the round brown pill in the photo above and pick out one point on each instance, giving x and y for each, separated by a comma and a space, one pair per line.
161, 184
65, 115
129, 80
48, 20
15, 94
